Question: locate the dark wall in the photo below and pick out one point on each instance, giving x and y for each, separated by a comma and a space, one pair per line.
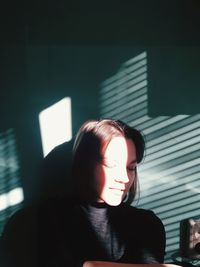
174, 80
134, 22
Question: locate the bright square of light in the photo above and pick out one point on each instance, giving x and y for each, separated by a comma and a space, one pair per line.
55, 124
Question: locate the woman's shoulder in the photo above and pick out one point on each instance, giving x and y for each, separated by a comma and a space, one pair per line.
147, 223
138, 215
124, 207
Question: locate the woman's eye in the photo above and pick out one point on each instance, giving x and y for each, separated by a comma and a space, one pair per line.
132, 168
110, 164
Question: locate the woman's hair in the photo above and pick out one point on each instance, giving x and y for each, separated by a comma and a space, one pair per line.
89, 146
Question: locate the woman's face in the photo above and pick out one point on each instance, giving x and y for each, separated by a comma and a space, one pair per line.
115, 174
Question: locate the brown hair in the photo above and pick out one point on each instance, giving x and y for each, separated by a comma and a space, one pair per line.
91, 140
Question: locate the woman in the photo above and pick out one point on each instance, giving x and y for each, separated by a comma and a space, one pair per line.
106, 154
97, 222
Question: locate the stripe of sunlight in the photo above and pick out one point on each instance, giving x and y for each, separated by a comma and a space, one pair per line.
172, 227
165, 155
170, 137
126, 106
165, 169
139, 109
126, 91
164, 124
132, 82
174, 209
136, 58
172, 238
9, 163
132, 75
164, 187
168, 220
135, 122
138, 86
173, 148
133, 68
173, 231
171, 249
119, 79
172, 241
123, 101
115, 82
132, 95
176, 224
139, 114
175, 220
188, 127
107, 98
142, 64
179, 160
163, 183
13, 197
152, 122
181, 206
160, 192
164, 199
109, 81
118, 97
132, 65
114, 101
170, 182
138, 117
176, 168
192, 136
151, 203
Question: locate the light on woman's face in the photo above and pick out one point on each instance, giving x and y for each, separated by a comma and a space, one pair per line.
115, 174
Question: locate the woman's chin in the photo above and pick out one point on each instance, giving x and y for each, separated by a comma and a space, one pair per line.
113, 201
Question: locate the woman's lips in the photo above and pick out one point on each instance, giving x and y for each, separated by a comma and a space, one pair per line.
115, 188
118, 191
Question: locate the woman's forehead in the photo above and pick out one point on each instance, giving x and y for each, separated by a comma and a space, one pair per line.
120, 148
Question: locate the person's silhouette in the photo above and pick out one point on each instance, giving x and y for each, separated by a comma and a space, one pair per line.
55, 178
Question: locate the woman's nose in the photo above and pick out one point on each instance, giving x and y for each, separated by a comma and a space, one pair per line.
122, 177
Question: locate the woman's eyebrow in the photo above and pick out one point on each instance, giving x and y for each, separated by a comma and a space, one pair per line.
108, 159
117, 161
133, 161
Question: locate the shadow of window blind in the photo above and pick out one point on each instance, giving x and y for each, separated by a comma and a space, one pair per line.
11, 194
170, 174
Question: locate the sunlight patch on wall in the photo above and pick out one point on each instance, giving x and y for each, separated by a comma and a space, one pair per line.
11, 192
170, 174
55, 124
11, 198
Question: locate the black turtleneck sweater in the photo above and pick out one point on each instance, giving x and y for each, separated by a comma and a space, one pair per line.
65, 233
98, 217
